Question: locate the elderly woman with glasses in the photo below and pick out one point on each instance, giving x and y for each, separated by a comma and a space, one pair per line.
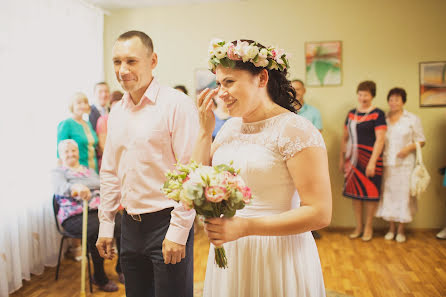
73, 184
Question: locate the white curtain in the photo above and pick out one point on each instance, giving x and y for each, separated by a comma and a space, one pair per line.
49, 49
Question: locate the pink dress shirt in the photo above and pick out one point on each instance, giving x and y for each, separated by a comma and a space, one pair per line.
144, 141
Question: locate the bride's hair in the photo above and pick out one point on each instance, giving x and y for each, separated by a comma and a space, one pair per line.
279, 87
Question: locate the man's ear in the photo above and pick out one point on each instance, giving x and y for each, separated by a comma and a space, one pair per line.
154, 60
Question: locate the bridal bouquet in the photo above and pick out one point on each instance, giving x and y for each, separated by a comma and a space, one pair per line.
211, 191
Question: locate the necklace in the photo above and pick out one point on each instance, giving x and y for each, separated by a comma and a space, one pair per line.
360, 120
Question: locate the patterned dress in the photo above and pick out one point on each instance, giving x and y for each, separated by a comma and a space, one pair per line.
361, 129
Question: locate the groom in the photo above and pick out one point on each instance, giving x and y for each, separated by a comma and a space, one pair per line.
149, 130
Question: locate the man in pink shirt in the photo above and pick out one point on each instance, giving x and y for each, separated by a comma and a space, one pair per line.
152, 128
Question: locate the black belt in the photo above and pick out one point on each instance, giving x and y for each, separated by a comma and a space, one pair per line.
142, 216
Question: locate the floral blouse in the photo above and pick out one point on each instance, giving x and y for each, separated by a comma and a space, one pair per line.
63, 179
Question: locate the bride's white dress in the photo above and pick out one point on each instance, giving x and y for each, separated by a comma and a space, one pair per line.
266, 266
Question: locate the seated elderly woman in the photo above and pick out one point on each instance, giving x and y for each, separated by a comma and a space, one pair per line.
73, 184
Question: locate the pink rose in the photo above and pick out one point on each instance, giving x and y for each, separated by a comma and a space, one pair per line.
215, 193
247, 195
231, 53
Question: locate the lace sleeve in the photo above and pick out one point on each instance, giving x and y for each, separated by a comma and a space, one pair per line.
297, 134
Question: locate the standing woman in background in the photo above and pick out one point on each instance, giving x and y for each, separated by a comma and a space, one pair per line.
101, 125
361, 158
404, 130
81, 131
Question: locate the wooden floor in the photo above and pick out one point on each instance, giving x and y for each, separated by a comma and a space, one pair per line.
377, 268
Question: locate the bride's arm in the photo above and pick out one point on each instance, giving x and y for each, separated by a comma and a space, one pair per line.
202, 148
309, 170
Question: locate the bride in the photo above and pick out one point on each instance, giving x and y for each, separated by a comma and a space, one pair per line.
269, 246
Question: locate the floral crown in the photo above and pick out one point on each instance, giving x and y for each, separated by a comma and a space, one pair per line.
226, 54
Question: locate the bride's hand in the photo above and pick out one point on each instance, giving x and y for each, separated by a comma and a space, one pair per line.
221, 230
205, 106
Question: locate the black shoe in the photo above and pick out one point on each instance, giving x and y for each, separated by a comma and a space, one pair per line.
316, 235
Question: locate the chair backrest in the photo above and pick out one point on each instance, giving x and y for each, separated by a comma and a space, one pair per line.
56, 211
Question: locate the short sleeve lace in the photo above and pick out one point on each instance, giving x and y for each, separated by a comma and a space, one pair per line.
297, 134
284, 134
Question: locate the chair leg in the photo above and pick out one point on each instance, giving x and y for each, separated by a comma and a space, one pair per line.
60, 254
89, 271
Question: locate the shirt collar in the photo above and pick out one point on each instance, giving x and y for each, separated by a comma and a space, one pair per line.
303, 108
151, 94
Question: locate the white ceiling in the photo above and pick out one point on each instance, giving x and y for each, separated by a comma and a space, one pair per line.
116, 4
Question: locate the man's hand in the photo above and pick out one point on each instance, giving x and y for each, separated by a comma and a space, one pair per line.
173, 252
105, 247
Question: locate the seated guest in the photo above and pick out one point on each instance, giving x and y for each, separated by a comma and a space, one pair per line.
73, 184
101, 125
81, 131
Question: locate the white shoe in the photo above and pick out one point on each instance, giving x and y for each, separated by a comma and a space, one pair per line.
442, 234
400, 238
389, 236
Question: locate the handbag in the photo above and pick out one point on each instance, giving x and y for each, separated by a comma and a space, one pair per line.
420, 178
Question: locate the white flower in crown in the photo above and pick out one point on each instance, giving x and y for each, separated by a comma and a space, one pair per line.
220, 52
213, 45
241, 48
263, 53
252, 51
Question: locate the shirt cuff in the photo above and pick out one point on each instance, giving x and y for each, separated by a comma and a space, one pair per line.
106, 229
177, 234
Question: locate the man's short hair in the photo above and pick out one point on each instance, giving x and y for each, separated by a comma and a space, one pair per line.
145, 39
300, 81
102, 83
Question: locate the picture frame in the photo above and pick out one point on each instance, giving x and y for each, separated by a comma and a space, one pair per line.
433, 84
323, 63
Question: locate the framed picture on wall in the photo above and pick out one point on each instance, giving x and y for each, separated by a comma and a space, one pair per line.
204, 78
323, 62
432, 84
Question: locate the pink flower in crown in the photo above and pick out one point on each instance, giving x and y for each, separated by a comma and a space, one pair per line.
273, 52
232, 54
215, 193
279, 54
241, 48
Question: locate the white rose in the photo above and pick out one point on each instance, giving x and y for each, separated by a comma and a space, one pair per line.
215, 42
263, 53
220, 52
251, 52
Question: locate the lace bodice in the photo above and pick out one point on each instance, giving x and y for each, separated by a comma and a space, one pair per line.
261, 150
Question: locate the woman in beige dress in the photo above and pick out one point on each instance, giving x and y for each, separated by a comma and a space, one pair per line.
403, 131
